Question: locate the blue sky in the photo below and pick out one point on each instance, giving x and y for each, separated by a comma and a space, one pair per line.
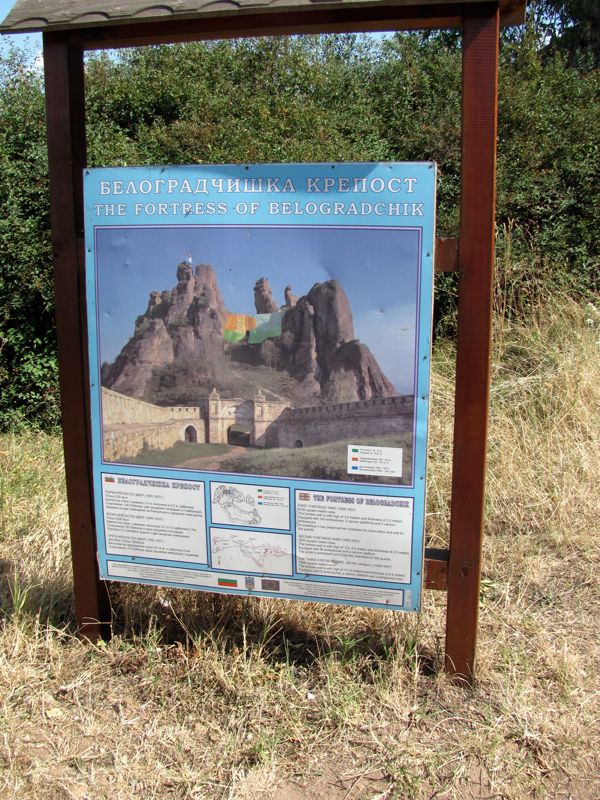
376, 267
30, 42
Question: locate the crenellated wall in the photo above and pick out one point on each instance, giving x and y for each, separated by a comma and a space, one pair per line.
389, 416
131, 425
119, 409
129, 442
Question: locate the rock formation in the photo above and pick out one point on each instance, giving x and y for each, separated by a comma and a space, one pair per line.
183, 328
263, 297
290, 299
322, 353
150, 347
196, 316
355, 374
179, 343
299, 348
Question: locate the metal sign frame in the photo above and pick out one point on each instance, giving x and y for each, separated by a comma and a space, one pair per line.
456, 569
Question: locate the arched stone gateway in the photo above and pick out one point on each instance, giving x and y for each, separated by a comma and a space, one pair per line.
191, 434
232, 419
236, 435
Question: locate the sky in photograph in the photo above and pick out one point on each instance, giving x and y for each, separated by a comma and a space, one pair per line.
376, 267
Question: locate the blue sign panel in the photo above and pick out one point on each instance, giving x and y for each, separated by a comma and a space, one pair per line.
260, 342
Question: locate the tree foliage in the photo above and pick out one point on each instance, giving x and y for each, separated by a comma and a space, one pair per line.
28, 379
571, 27
329, 98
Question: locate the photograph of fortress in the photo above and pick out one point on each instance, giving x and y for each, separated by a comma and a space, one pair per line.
274, 350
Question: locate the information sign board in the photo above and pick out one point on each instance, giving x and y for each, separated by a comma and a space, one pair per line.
260, 341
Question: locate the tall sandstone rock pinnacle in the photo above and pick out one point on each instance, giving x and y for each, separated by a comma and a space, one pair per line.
183, 326
323, 353
182, 331
263, 297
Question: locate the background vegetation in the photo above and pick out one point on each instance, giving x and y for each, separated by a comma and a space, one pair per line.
323, 98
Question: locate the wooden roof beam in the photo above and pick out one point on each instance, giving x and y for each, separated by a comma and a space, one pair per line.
272, 24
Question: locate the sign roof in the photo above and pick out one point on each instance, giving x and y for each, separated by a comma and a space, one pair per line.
40, 15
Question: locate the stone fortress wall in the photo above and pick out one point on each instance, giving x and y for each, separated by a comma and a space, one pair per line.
131, 425
119, 409
334, 422
120, 444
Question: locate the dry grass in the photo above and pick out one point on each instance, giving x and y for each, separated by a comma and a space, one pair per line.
201, 696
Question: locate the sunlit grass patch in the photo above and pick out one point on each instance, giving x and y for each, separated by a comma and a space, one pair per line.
323, 461
178, 453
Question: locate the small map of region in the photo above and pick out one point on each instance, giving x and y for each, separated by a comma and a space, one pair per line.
250, 551
250, 505
238, 508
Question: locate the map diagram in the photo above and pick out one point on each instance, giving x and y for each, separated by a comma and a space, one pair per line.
239, 509
251, 552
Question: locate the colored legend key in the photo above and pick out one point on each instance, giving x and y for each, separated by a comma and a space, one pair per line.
383, 462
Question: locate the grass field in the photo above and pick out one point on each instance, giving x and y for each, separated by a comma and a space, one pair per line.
178, 454
201, 696
323, 461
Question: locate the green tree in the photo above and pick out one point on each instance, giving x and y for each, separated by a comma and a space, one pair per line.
28, 384
571, 27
